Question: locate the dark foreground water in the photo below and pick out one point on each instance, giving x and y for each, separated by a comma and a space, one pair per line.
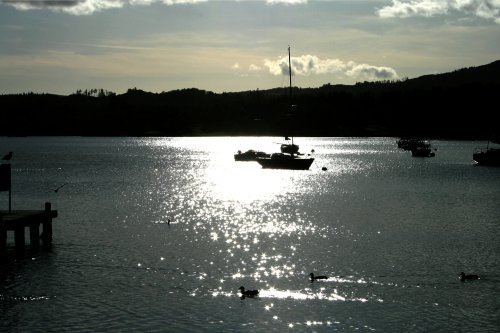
391, 231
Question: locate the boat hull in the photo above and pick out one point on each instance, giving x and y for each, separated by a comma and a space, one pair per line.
422, 153
286, 163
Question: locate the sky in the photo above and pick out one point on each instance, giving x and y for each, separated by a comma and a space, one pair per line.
60, 47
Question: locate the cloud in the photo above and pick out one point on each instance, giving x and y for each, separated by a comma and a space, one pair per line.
312, 65
254, 68
86, 7
486, 9
286, 2
75, 7
370, 73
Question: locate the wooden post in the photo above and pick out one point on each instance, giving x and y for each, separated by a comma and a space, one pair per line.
3, 237
47, 224
5, 181
19, 238
34, 235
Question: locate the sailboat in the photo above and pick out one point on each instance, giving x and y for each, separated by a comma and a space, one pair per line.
289, 157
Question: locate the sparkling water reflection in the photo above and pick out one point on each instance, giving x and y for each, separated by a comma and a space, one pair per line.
386, 228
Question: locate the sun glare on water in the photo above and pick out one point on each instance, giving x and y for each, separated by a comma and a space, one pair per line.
246, 182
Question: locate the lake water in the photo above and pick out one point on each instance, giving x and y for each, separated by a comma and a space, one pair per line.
391, 231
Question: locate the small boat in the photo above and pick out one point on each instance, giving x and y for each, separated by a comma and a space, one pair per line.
422, 150
487, 156
289, 148
412, 143
250, 155
408, 143
285, 161
290, 158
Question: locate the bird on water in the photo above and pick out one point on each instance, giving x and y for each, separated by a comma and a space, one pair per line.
319, 277
7, 157
464, 277
248, 293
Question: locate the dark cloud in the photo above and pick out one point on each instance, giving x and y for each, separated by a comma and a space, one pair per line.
43, 3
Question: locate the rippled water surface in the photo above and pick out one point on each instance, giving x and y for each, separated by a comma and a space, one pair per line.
390, 231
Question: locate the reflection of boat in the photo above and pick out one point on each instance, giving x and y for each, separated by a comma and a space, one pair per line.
487, 156
250, 155
289, 158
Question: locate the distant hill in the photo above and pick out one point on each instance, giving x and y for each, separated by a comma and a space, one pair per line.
486, 74
458, 105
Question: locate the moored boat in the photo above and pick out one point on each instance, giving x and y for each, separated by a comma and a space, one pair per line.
286, 161
422, 151
290, 158
412, 143
408, 143
487, 156
250, 155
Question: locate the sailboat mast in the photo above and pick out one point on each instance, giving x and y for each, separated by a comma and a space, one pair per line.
290, 74
290, 87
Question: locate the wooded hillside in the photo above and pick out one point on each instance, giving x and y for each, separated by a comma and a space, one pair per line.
458, 105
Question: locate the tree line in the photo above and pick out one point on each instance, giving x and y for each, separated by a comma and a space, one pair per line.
455, 105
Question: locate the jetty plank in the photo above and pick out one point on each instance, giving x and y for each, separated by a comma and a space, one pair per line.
18, 220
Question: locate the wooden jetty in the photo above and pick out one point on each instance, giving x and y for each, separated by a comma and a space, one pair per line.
18, 220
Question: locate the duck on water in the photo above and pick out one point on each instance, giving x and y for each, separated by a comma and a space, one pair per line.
248, 293
465, 277
318, 277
